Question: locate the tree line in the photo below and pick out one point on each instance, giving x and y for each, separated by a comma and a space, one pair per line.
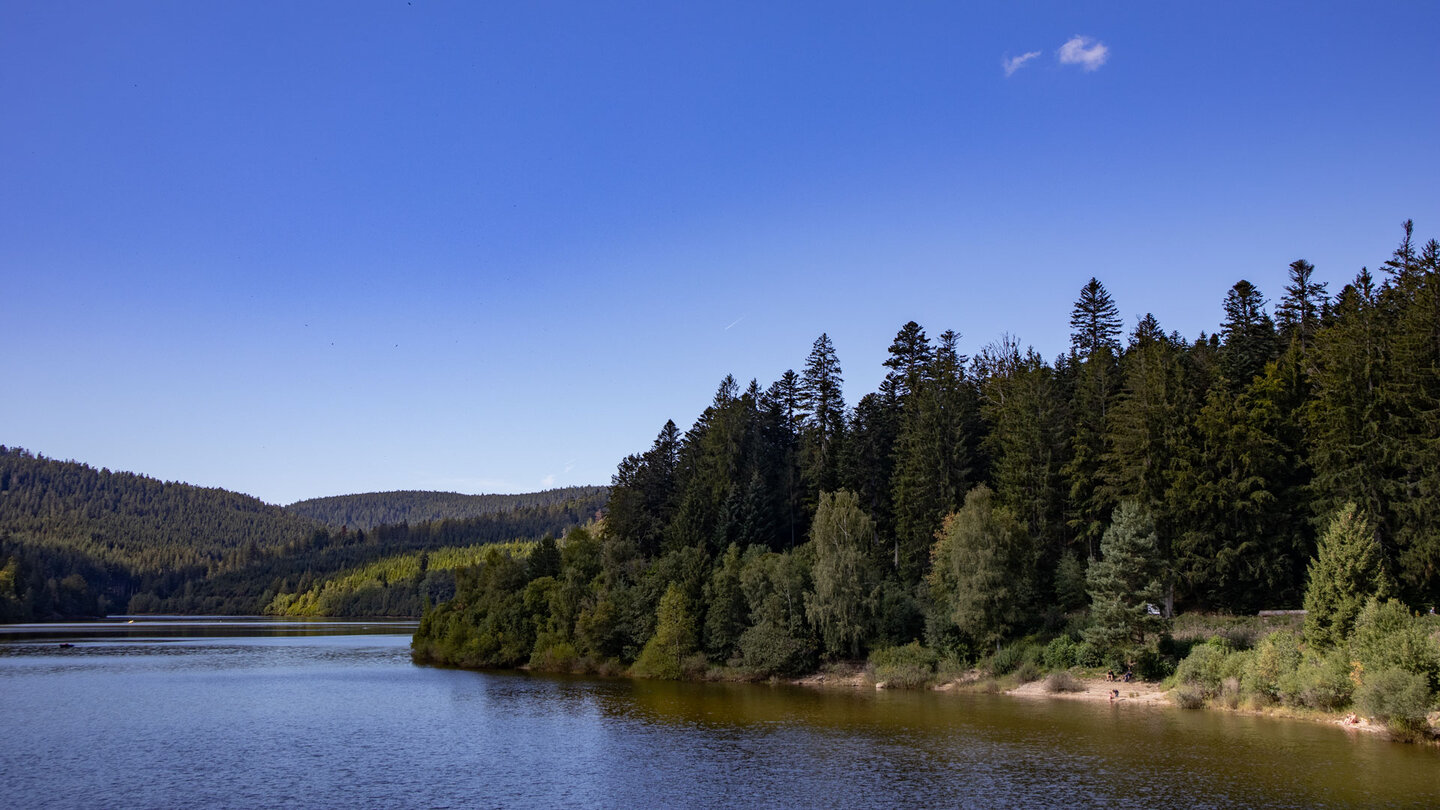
77, 541
973, 499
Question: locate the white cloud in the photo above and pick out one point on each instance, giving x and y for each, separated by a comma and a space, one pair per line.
1085, 52
1012, 65
548, 481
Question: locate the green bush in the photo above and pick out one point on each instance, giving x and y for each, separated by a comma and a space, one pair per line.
907, 667
1209, 664
1088, 655
1059, 654
1006, 659
1276, 656
1151, 665
1387, 636
1320, 682
769, 650
1399, 699
553, 655
1189, 696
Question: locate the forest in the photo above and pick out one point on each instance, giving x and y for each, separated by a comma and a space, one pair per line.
371, 509
976, 500
77, 541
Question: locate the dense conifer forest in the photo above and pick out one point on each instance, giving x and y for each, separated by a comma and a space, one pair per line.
371, 509
76, 541
975, 500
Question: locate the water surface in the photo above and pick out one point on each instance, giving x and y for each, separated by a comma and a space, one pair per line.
288, 714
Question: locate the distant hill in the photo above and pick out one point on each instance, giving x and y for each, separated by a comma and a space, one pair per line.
77, 541
367, 510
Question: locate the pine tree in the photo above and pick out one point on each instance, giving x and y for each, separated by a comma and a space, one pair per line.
1298, 315
1095, 327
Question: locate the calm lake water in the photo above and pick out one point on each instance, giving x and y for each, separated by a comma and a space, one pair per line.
290, 714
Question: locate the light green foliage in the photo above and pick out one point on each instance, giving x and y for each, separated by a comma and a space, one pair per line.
674, 640
1322, 681
1124, 582
1347, 571
984, 569
392, 586
911, 666
839, 606
1276, 656
1397, 698
1209, 665
1387, 636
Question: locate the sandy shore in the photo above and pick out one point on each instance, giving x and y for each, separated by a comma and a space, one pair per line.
1098, 689
1135, 693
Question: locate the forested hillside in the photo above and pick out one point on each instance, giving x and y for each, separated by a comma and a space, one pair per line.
77, 541
972, 500
365, 511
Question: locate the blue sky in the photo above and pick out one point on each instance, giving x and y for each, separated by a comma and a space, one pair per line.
304, 249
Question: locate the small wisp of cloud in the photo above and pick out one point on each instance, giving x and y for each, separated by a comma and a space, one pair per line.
1083, 51
1015, 63
732, 323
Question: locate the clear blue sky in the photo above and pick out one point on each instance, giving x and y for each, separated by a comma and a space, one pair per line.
304, 249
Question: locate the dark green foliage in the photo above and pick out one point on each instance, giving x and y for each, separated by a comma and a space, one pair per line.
1124, 583
372, 509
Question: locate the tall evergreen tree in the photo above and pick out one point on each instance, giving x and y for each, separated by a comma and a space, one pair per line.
1125, 583
1095, 328
823, 405
1298, 315
935, 457
1248, 334
1348, 569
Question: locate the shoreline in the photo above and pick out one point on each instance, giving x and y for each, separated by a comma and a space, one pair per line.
1096, 690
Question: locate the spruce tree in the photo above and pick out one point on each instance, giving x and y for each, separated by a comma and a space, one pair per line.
1348, 570
1124, 583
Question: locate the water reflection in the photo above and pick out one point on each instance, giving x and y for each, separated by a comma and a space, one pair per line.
346, 720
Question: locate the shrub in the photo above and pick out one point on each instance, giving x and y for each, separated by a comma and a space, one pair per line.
1027, 671
769, 650
1062, 682
1387, 637
1006, 659
1150, 665
1208, 665
908, 667
1059, 654
1277, 655
553, 655
1188, 696
1397, 698
1088, 655
1319, 682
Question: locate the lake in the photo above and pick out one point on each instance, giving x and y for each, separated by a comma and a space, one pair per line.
261, 713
